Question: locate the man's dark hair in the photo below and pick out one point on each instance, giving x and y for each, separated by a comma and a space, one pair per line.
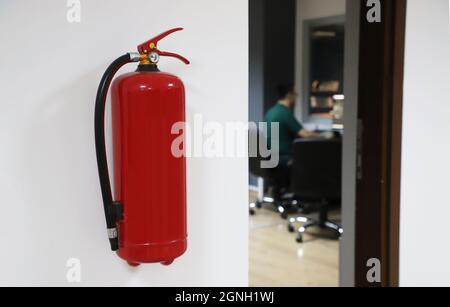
284, 90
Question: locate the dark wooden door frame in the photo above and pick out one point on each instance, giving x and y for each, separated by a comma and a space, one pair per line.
380, 101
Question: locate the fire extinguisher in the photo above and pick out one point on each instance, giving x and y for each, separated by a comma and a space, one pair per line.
146, 219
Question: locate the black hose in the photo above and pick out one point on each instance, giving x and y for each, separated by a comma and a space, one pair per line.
108, 203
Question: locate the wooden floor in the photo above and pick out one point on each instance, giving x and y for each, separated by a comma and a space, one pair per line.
277, 260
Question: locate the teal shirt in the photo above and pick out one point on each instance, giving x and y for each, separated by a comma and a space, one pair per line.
288, 125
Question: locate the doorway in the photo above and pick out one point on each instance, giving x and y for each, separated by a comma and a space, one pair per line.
298, 43
369, 102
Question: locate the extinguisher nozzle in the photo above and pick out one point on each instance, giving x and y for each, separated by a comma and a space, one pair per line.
114, 244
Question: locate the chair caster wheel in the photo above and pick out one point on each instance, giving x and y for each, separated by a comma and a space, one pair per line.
252, 212
291, 228
284, 216
299, 238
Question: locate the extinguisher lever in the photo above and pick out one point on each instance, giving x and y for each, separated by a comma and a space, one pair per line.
151, 46
113, 210
152, 43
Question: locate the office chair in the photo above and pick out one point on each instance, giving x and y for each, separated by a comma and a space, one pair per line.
275, 180
316, 177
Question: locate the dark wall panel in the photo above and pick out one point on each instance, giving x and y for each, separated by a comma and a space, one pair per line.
271, 53
279, 47
256, 60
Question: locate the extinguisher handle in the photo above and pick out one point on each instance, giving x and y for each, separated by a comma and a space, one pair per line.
112, 209
152, 46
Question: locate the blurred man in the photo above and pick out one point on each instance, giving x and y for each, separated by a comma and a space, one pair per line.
289, 127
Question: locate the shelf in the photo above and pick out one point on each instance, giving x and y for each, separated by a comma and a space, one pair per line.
325, 94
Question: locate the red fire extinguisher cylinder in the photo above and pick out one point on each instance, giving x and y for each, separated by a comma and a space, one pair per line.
146, 221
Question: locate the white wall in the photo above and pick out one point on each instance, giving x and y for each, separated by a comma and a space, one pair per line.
306, 10
51, 203
425, 197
